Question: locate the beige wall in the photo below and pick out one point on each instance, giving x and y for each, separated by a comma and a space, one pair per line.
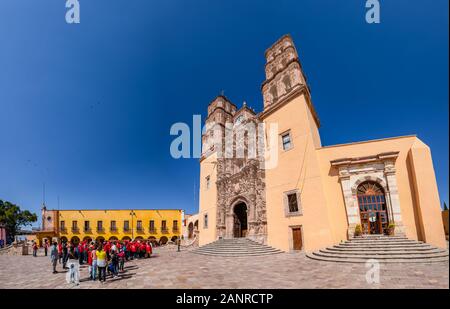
306, 167
414, 169
426, 194
297, 169
208, 200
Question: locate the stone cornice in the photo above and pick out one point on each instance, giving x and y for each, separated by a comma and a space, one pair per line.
267, 81
286, 99
367, 159
275, 58
216, 108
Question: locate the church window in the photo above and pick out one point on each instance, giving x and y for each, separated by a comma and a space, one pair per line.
291, 201
208, 182
205, 221
286, 141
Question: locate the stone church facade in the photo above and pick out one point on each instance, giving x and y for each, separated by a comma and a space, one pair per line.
266, 176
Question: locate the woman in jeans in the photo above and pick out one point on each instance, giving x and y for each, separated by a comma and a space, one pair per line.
101, 263
93, 255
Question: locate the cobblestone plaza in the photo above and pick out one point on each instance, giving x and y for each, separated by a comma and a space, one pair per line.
171, 269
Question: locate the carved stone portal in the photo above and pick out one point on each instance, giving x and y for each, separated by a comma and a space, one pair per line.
246, 186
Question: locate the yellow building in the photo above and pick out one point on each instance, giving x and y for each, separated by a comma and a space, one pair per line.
159, 225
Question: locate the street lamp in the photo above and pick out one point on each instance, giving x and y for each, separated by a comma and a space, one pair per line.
132, 226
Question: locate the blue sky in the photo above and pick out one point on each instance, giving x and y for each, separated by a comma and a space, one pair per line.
87, 108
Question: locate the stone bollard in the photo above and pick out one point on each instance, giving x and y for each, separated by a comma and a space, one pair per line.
24, 249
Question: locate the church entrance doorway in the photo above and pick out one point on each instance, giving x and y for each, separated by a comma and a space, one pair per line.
372, 208
240, 220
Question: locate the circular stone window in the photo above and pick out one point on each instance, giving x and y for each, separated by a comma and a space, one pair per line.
49, 218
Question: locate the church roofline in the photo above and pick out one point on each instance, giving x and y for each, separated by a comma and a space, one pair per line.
365, 159
244, 107
223, 97
368, 141
296, 92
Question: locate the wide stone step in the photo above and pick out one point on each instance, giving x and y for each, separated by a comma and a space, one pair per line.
237, 255
236, 248
378, 237
381, 244
382, 241
384, 249
364, 260
233, 245
237, 251
383, 257
383, 253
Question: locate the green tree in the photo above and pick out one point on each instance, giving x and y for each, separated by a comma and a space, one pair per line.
445, 206
13, 218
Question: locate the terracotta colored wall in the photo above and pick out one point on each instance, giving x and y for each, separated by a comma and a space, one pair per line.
208, 200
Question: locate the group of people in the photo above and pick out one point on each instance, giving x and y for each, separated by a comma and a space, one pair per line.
101, 257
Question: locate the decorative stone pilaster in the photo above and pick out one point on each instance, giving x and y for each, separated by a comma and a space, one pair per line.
396, 216
350, 205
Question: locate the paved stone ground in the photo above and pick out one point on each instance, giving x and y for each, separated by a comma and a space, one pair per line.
170, 269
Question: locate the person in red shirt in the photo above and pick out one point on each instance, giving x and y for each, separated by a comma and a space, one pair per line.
121, 260
89, 261
133, 250
35, 248
60, 252
107, 249
148, 250
142, 247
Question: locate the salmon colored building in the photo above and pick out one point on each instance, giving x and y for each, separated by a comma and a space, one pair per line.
296, 194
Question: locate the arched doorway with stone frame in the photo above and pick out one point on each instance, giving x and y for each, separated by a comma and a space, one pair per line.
237, 218
372, 208
379, 169
240, 220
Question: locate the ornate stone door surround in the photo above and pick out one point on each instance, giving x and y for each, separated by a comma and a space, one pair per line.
379, 168
246, 186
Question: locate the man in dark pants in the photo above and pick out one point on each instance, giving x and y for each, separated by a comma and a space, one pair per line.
46, 247
54, 256
65, 254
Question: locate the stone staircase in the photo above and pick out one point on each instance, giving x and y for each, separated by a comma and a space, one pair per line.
385, 249
236, 247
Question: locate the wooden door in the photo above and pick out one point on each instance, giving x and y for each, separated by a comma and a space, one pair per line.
297, 238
